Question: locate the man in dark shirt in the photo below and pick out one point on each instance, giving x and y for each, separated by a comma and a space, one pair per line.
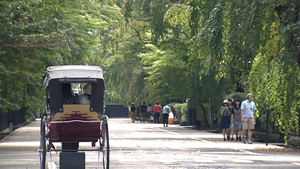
143, 112
132, 112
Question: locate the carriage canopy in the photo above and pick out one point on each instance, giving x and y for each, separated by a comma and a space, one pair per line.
57, 75
75, 72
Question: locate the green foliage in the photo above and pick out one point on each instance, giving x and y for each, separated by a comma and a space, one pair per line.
277, 91
164, 50
275, 74
180, 110
38, 34
200, 113
237, 95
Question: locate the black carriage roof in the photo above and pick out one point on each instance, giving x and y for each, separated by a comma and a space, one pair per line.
72, 72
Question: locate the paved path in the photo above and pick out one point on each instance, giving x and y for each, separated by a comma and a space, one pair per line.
143, 146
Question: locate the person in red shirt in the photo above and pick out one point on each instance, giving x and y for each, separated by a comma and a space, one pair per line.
156, 110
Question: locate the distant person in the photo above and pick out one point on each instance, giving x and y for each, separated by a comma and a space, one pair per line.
156, 110
150, 113
132, 112
143, 112
166, 111
225, 119
231, 128
248, 110
237, 123
149, 110
69, 98
86, 97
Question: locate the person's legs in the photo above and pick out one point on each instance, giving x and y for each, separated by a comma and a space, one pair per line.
143, 117
240, 135
236, 136
155, 118
251, 127
133, 117
164, 120
228, 134
158, 117
249, 136
167, 119
244, 133
245, 128
224, 134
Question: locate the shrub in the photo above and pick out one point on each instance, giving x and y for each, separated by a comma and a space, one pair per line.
180, 110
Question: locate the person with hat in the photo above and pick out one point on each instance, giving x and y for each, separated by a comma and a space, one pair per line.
86, 97
225, 119
248, 110
237, 123
132, 112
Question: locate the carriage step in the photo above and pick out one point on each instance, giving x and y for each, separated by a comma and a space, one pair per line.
72, 160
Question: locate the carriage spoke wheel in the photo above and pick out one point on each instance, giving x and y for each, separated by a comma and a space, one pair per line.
43, 145
104, 146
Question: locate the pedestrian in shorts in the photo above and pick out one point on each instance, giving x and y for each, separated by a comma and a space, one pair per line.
248, 110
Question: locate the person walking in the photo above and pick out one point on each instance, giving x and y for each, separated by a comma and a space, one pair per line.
248, 110
225, 119
237, 123
132, 112
231, 128
156, 110
166, 111
143, 111
150, 113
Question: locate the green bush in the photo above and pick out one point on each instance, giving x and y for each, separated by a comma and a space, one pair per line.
180, 110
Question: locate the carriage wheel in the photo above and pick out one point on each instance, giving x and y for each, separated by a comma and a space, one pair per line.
106, 149
43, 145
104, 145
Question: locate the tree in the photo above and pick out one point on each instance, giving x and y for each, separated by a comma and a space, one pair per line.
38, 34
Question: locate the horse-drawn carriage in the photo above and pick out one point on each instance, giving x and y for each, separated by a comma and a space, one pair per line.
71, 117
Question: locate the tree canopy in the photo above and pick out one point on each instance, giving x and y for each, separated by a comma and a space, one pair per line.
165, 50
